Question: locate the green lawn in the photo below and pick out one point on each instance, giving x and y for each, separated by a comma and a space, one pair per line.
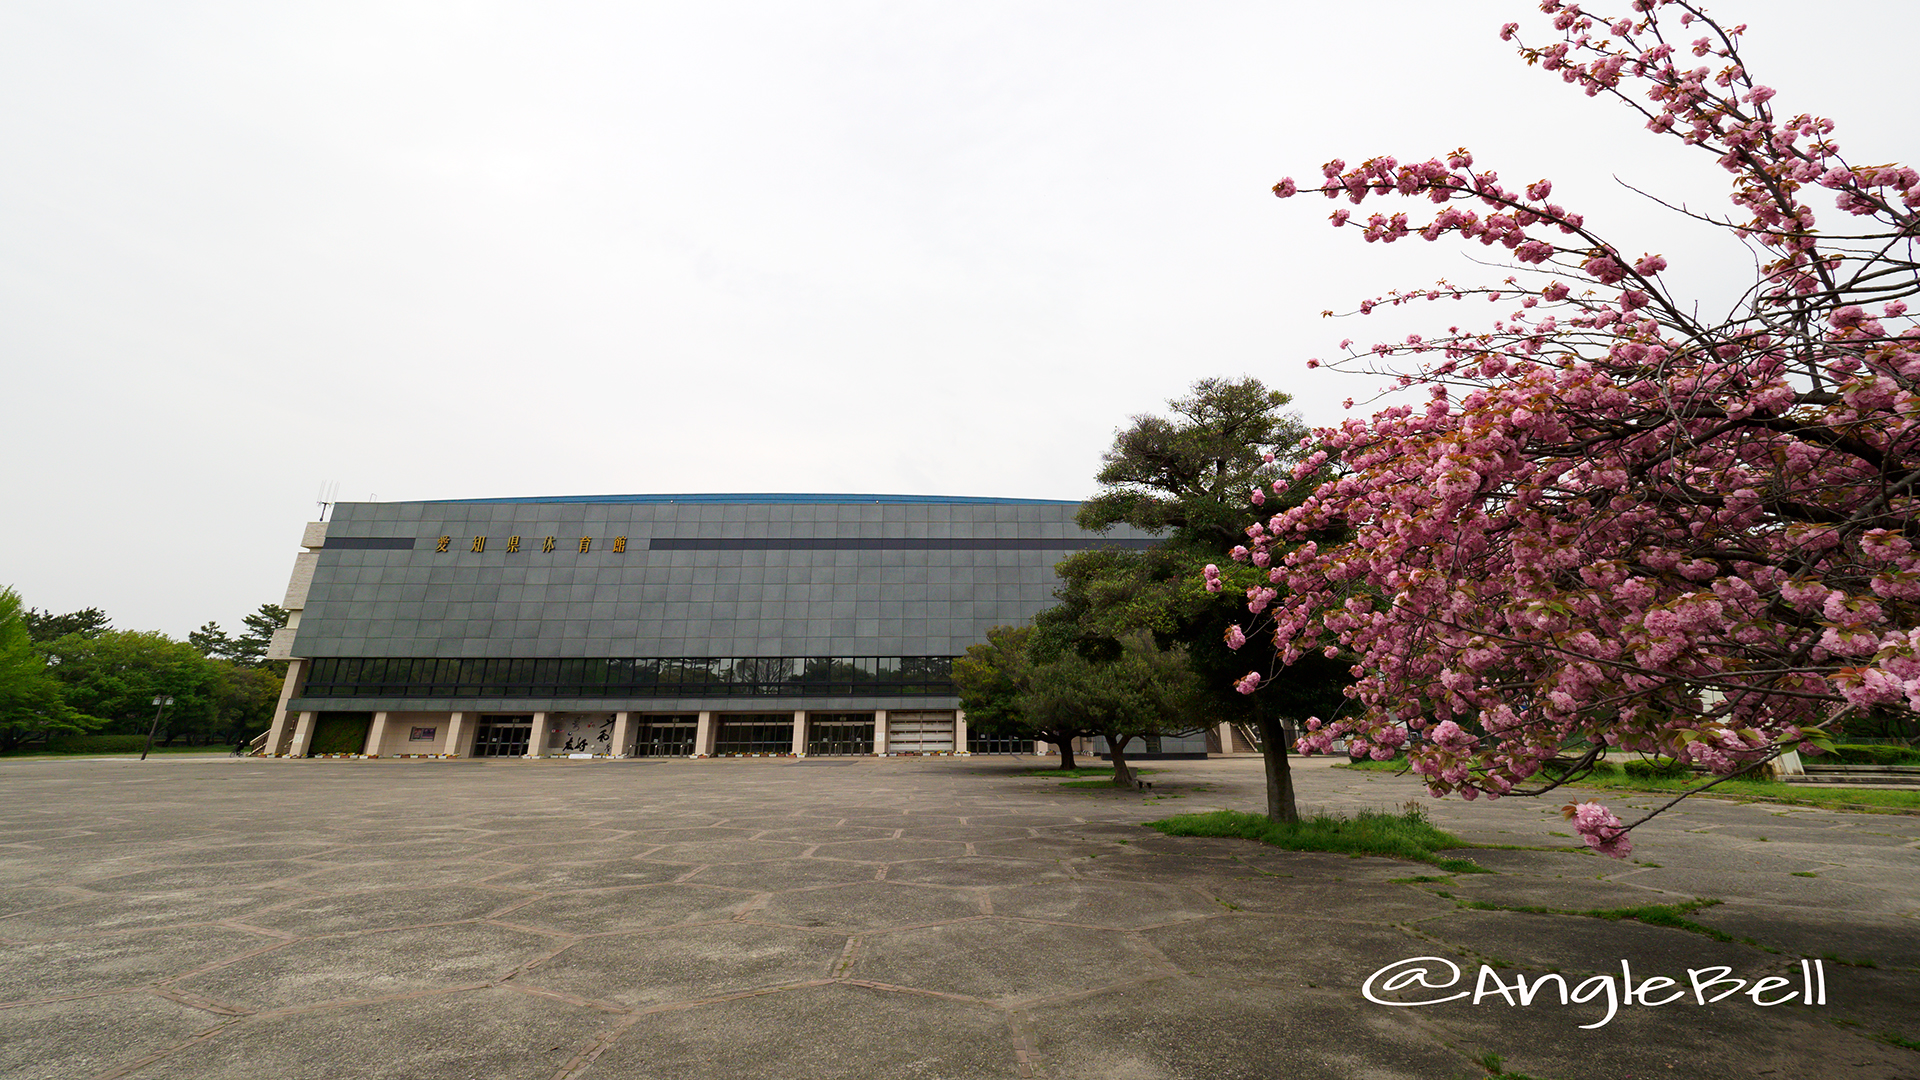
1080, 771
1370, 832
24, 755
1869, 800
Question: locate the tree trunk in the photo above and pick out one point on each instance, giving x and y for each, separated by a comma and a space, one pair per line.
1281, 805
1066, 749
1117, 753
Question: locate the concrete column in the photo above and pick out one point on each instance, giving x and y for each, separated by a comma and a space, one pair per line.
960, 732
622, 733
800, 733
282, 722
302, 734
703, 736
1042, 749
537, 738
880, 732
456, 727
376, 735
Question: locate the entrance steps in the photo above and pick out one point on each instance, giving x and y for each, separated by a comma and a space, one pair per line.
1874, 775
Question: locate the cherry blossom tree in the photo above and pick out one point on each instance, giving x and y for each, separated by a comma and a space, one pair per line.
1609, 521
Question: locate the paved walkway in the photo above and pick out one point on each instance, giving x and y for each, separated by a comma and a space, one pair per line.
895, 919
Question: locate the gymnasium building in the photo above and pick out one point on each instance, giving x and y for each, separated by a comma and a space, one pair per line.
655, 625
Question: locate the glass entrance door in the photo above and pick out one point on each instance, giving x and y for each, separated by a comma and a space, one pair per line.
665, 736
502, 736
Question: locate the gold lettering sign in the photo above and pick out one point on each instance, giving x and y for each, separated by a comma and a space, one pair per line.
586, 542
479, 544
442, 545
548, 545
619, 545
513, 544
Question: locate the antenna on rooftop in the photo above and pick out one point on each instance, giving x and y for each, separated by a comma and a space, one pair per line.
329, 493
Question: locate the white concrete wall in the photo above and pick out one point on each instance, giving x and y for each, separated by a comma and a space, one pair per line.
399, 738
302, 580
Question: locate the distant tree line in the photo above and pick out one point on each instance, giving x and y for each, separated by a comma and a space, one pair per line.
73, 674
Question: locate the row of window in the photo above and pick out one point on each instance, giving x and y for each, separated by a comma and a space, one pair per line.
813, 676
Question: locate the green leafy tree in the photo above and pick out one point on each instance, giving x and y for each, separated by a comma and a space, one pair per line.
1190, 473
1191, 476
31, 704
115, 675
45, 626
245, 698
993, 676
1142, 691
251, 646
212, 642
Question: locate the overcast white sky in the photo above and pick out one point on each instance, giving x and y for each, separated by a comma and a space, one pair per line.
446, 250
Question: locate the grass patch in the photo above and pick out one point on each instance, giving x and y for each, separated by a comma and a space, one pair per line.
1865, 800
1079, 771
42, 753
1496, 1067
1371, 832
1673, 916
1899, 1040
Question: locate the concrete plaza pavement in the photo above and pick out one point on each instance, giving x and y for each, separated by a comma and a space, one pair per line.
912, 918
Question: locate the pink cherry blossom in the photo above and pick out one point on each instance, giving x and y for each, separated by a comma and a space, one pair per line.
1610, 518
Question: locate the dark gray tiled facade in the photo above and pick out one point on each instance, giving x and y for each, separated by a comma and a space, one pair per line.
700, 576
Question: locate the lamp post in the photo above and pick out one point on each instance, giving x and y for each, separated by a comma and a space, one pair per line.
163, 702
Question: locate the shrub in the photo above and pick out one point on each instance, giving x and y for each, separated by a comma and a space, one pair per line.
1658, 770
1868, 754
96, 744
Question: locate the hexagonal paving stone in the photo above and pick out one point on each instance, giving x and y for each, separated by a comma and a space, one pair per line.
976, 870
703, 834
687, 964
1001, 960
831, 1032
65, 1039
724, 851
558, 877
568, 852
357, 966
602, 911
44, 969
13, 901
966, 833
409, 851
139, 911
1556, 941
208, 876
890, 851
1050, 848
825, 834
872, 906
1182, 1027
380, 909
779, 875
357, 876
239, 852
1138, 865
1285, 951
1103, 903
482, 1033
